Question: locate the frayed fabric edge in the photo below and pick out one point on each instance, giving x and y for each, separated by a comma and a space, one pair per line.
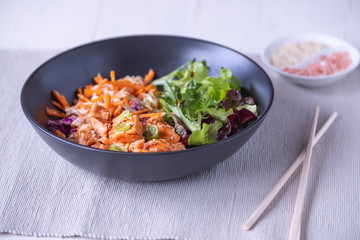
86, 235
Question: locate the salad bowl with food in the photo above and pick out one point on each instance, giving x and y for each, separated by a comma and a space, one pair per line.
147, 108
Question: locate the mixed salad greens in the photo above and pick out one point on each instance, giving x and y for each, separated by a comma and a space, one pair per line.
204, 109
131, 114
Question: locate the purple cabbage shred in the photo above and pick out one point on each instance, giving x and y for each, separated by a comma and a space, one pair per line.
63, 125
143, 120
136, 105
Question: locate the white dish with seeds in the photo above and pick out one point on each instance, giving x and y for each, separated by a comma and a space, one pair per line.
298, 50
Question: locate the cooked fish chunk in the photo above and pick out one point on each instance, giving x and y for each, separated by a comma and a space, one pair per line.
100, 128
101, 113
166, 131
100, 145
161, 145
134, 133
87, 135
135, 146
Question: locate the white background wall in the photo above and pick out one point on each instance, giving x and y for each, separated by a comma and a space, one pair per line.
241, 24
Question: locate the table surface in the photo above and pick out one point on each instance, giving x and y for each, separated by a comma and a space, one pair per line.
43, 25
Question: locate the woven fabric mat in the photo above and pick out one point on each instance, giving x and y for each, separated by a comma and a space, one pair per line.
41, 194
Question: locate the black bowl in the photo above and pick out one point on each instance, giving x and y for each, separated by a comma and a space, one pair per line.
135, 55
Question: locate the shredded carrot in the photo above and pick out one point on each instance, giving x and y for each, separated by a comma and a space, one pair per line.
88, 92
61, 99
79, 106
126, 100
80, 90
151, 114
126, 83
149, 76
54, 113
60, 134
97, 99
107, 100
58, 105
98, 78
121, 103
149, 87
112, 76
140, 111
139, 91
117, 111
82, 97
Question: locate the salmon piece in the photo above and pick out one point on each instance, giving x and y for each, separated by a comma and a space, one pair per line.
154, 120
131, 135
100, 145
101, 113
105, 141
137, 145
161, 145
87, 135
103, 146
166, 131
99, 127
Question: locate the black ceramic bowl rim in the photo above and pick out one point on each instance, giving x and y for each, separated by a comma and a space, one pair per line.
118, 153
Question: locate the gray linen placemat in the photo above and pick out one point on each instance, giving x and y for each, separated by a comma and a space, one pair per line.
43, 195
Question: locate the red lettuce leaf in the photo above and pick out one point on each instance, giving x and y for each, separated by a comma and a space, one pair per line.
232, 99
235, 123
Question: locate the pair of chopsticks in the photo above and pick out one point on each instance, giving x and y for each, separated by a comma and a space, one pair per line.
304, 157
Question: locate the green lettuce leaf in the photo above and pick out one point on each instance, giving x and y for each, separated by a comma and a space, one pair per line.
206, 135
233, 81
196, 71
251, 107
168, 78
219, 114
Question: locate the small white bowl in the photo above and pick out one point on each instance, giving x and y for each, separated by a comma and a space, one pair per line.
309, 81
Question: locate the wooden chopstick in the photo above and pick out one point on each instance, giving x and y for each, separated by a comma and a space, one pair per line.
298, 237
281, 182
300, 198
